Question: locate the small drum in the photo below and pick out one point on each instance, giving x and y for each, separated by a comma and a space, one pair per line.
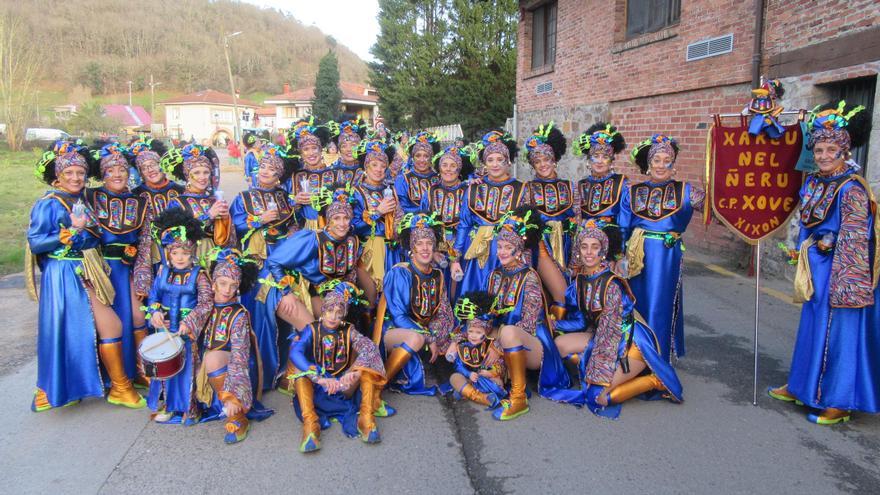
162, 354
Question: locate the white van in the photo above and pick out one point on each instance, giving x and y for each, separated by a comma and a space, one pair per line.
38, 137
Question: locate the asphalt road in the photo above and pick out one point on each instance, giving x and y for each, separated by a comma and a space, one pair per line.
716, 441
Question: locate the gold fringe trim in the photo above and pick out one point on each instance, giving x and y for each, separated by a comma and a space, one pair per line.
479, 248
803, 279
30, 267
635, 252
96, 271
373, 259
557, 242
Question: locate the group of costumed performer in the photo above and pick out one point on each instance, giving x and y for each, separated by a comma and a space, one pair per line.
835, 365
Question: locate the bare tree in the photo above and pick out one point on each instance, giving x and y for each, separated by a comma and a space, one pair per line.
19, 67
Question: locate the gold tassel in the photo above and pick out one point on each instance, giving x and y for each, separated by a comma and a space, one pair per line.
264, 288
30, 266
373, 259
222, 230
257, 245
95, 271
556, 242
803, 279
204, 391
635, 252
479, 248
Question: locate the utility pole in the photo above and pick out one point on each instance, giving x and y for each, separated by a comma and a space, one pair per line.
129, 93
235, 120
153, 96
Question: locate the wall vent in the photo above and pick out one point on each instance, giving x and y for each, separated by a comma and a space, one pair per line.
710, 47
544, 88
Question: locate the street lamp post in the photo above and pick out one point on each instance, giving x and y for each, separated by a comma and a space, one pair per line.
153, 96
235, 121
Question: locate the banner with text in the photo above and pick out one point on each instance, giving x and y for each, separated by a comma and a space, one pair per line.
754, 184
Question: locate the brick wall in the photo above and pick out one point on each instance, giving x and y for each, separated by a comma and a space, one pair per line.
596, 65
644, 85
792, 24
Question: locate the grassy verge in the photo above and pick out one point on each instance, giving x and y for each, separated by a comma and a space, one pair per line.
18, 191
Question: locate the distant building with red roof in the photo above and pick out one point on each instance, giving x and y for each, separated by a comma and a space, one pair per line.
132, 117
206, 115
357, 99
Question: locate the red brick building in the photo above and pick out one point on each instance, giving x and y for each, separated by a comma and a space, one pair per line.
665, 65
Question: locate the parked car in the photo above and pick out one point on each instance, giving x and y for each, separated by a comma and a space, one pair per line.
39, 137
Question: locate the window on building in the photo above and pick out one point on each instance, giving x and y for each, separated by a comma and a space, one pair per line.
544, 35
288, 112
857, 92
648, 16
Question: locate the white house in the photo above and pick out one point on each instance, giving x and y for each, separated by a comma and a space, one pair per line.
290, 106
206, 115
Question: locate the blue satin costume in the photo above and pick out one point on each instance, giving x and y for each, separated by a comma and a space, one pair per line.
122, 220
583, 306
404, 312
251, 167
67, 354
412, 186
663, 211
348, 174
606, 199
483, 384
315, 256
509, 286
554, 198
329, 407
175, 292
484, 204
367, 198
836, 358
446, 202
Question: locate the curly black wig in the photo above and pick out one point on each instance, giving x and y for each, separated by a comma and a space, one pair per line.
639, 154
467, 168
482, 301
46, 163
405, 231
173, 217
555, 139
618, 144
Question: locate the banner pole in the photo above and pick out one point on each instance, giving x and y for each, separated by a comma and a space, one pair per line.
757, 302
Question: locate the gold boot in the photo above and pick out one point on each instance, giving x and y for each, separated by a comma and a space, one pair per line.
633, 388
396, 361
366, 422
518, 403
471, 393
557, 311
122, 393
311, 432
285, 383
141, 381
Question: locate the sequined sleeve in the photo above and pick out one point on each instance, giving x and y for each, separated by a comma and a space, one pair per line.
238, 381
603, 359
851, 277
143, 264
367, 353
441, 326
532, 298
698, 197
205, 301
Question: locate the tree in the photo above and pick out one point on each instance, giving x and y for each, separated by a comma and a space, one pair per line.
92, 75
446, 61
19, 66
328, 96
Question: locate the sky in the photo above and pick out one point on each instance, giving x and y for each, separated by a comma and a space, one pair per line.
351, 22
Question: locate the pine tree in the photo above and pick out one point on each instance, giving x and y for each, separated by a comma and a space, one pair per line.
446, 62
326, 104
